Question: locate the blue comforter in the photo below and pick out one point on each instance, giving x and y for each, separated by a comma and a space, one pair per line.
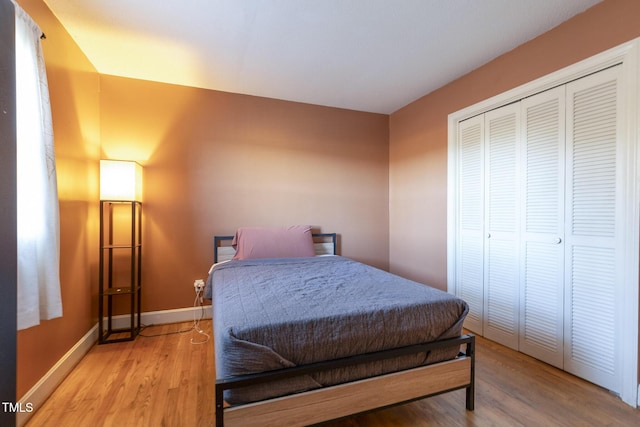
276, 313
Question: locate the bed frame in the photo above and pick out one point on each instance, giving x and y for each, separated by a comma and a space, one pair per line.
343, 400
323, 243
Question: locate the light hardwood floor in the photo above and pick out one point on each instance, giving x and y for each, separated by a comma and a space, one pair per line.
168, 381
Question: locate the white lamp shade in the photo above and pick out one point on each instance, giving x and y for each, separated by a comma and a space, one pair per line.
120, 180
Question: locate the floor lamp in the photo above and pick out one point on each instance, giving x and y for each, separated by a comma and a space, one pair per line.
120, 285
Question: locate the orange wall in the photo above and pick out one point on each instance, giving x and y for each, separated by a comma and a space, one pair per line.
216, 161
74, 91
418, 132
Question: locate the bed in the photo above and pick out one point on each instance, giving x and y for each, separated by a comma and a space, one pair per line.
307, 336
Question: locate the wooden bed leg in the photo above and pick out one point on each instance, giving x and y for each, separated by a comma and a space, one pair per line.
471, 389
219, 406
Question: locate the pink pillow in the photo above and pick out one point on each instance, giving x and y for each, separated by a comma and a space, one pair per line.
289, 242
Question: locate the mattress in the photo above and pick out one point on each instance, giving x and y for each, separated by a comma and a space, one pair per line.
277, 313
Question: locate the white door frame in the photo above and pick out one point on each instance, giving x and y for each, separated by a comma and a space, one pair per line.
628, 55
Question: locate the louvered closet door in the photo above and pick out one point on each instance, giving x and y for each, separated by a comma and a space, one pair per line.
501, 268
593, 229
469, 273
542, 232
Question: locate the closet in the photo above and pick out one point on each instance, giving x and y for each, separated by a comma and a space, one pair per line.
539, 230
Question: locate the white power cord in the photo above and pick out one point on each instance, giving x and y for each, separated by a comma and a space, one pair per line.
199, 301
199, 287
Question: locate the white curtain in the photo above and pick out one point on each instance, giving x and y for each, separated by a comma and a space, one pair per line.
37, 195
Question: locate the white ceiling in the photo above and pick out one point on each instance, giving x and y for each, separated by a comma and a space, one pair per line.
368, 55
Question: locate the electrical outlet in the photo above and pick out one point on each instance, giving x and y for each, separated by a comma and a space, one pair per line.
198, 285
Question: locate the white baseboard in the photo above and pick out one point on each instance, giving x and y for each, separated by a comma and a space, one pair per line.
41, 391
165, 316
52, 379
